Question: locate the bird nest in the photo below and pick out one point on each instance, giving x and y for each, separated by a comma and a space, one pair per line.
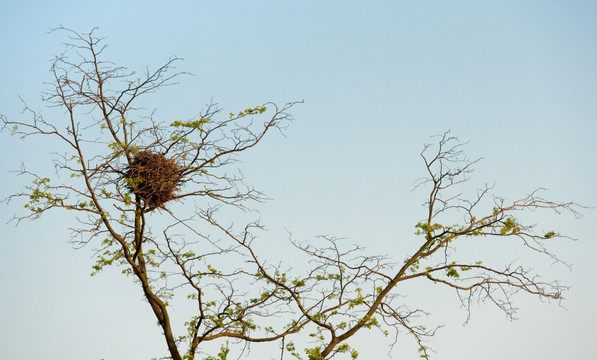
153, 178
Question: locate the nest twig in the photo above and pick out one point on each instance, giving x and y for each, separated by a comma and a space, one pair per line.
153, 178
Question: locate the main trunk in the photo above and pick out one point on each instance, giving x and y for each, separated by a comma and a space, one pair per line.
157, 305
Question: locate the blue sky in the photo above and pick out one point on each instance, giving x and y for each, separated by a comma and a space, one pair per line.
516, 79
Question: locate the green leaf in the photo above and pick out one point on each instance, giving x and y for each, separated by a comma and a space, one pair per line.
453, 273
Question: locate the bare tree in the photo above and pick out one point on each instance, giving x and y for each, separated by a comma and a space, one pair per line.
124, 174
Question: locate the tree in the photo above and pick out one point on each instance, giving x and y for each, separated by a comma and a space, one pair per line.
124, 175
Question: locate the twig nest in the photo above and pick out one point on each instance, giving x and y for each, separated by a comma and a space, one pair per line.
154, 178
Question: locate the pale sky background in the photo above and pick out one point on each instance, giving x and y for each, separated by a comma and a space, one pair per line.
518, 79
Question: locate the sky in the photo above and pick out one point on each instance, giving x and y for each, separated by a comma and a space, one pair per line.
517, 80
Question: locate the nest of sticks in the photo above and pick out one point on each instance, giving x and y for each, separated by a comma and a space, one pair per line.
153, 178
